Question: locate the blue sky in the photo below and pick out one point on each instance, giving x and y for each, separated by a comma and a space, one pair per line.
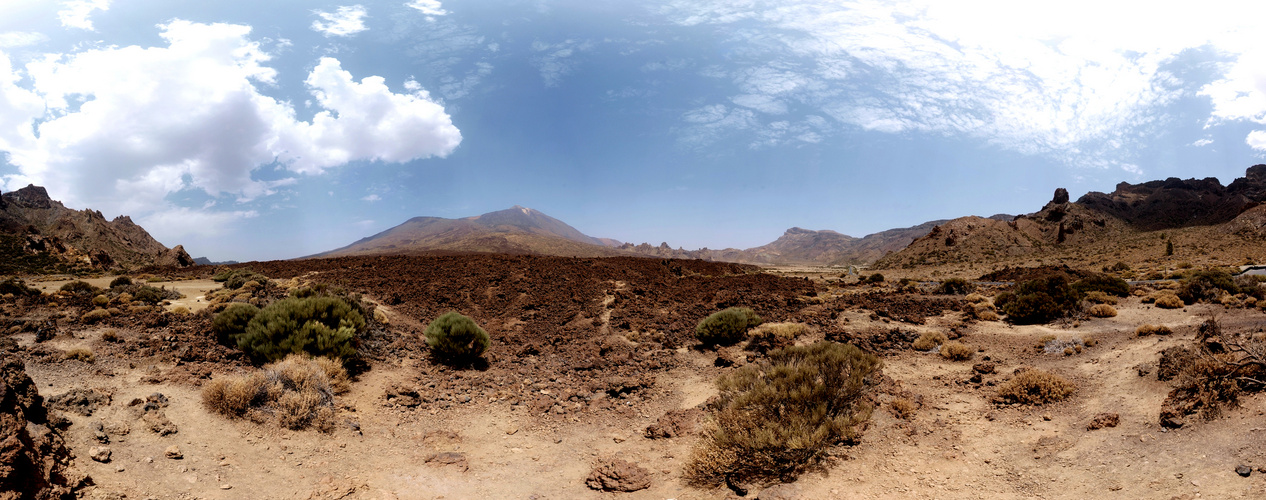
265, 130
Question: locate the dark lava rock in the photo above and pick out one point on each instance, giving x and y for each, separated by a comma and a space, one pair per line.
1061, 196
983, 368
1244, 470
81, 401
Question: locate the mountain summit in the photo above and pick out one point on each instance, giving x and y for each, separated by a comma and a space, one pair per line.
515, 230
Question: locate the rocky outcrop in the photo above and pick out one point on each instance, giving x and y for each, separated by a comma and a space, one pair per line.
33, 454
1175, 203
39, 226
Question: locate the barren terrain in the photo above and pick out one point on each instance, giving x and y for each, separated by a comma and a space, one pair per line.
587, 353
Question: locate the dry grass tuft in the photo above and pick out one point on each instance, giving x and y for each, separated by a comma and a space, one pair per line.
111, 335
80, 354
975, 298
1034, 387
1102, 311
1099, 297
1145, 330
771, 336
296, 392
956, 351
928, 341
1168, 300
94, 316
903, 408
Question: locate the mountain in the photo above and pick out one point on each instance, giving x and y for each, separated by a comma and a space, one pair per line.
38, 233
517, 230
1096, 219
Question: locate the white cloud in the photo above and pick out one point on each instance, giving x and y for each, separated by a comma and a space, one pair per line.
346, 21
1202, 143
1257, 140
428, 7
760, 102
21, 39
75, 13
1063, 78
372, 198
120, 129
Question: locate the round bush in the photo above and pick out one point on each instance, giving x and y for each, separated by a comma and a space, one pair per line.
120, 281
233, 321
928, 341
1034, 387
1041, 300
1168, 301
1103, 311
320, 326
726, 327
78, 287
955, 286
454, 336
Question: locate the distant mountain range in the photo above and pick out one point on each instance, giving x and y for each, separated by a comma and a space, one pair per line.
38, 234
523, 230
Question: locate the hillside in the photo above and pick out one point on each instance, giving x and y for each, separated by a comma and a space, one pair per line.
1201, 213
517, 230
40, 234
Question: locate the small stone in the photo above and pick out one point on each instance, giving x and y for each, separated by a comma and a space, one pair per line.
984, 368
173, 452
1104, 420
99, 453
119, 469
1046, 417
1244, 470
226, 486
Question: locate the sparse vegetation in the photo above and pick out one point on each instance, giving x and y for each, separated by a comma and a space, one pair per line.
1108, 284
1167, 300
1098, 297
726, 327
778, 418
18, 288
1102, 311
80, 354
296, 393
875, 279
1150, 329
1034, 387
956, 351
1041, 300
320, 326
79, 287
903, 408
120, 281
955, 286
94, 316
1211, 374
928, 341
457, 338
111, 335
1206, 285
771, 336
233, 321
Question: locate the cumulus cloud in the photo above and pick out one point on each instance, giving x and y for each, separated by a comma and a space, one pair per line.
346, 21
1065, 78
121, 129
428, 7
75, 13
1257, 140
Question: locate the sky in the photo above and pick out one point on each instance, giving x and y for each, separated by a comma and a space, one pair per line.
277, 129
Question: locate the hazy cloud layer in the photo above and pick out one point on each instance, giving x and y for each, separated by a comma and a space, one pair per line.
1069, 79
122, 128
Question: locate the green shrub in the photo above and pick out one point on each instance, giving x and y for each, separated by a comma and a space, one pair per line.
1041, 300
875, 278
232, 322
1110, 285
1002, 299
100, 301
1034, 387
1206, 284
79, 287
120, 281
777, 418
233, 279
17, 287
955, 286
147, 294
455, 337
320, 326
726, 327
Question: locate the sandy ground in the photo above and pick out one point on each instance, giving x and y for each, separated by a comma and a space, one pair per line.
958, 445
194, 291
